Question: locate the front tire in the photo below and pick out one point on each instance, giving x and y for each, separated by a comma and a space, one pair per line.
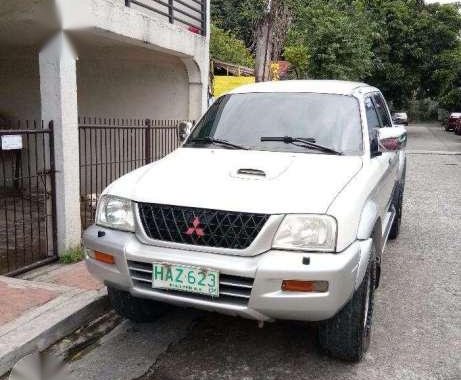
346, 336
136, 309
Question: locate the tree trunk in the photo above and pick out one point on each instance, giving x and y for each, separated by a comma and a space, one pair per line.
270, 35
263, 51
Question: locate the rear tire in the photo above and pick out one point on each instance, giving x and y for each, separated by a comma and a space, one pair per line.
136, 309
346, 336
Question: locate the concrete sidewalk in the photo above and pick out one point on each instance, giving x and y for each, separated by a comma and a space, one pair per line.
44, 306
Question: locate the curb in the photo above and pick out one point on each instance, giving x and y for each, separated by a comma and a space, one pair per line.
40, 329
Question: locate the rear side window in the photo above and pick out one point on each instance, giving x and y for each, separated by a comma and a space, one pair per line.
382, 110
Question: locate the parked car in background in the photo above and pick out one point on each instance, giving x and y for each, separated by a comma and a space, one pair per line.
453, 121
457, 129
277, 206
400, 118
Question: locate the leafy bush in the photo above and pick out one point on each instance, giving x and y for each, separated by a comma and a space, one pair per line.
452, 100
226, 47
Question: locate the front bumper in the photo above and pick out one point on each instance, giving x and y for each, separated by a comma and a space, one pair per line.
266, 300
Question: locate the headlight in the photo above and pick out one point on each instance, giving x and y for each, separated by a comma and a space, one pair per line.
306, 233
115, 212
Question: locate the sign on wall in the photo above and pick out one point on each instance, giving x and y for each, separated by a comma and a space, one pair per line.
11, 142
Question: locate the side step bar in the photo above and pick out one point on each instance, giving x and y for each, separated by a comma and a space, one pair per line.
390, 216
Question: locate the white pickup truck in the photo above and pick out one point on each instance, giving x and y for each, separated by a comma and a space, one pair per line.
278, 205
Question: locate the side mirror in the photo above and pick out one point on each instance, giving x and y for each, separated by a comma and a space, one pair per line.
392, 139
184, 130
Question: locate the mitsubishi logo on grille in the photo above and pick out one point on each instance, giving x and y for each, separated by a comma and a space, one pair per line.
195, 229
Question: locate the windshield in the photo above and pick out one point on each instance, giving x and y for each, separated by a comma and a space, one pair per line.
329, 120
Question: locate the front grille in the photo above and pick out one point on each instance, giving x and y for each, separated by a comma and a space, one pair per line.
232, 289
198, 226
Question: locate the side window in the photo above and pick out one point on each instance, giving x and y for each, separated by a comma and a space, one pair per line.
380, 104
373, 123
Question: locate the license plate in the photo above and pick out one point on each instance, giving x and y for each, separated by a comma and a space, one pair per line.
186, 279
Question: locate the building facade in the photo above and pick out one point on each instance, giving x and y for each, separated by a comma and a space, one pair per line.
107, 58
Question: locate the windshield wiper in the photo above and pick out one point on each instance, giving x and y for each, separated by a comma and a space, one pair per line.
211, 140
308, 142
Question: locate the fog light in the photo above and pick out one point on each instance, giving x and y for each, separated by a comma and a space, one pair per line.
305, 286
103, 257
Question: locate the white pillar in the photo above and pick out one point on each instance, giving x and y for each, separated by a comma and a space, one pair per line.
58, 88
198, 86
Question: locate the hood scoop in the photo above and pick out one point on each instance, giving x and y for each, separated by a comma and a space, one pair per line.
260, 168
251, 172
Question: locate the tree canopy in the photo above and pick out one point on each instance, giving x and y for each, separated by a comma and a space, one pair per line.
408, 49
226, 47
329, 40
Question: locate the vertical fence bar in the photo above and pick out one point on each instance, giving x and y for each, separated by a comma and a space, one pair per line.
45, 194
171, 11
204, 17
20, 191
147, 138
53, 186
7, 266
29, 203
15, 244
37, 191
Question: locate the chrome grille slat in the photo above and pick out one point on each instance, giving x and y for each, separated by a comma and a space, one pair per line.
235, 284
233, 289
140, 270
234, 294
141, 279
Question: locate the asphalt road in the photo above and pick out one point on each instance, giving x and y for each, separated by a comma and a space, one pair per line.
417, 320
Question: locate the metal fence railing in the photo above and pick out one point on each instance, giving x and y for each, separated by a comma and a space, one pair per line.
191, 13
27, 196
110, 148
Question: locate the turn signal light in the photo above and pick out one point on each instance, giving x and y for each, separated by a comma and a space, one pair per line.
104, 258
305, 286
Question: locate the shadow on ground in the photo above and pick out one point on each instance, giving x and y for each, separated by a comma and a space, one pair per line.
221, 347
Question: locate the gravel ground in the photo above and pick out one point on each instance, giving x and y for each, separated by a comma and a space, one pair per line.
417, 320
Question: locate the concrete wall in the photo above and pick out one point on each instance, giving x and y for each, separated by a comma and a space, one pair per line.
153, 86
20, 87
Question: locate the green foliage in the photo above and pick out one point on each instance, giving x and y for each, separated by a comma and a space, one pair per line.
409, 49
413, 48
451, 101
298, 55
72, 255
242, 16
329, 40
237, 16
226, 47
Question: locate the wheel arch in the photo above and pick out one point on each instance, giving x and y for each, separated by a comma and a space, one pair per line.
370, 221
369, 231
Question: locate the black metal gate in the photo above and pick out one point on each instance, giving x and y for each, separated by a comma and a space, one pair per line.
27, 197
110, 148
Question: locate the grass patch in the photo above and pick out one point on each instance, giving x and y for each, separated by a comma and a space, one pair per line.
72, 256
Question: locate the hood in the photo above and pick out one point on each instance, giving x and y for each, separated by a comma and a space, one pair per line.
238, 180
